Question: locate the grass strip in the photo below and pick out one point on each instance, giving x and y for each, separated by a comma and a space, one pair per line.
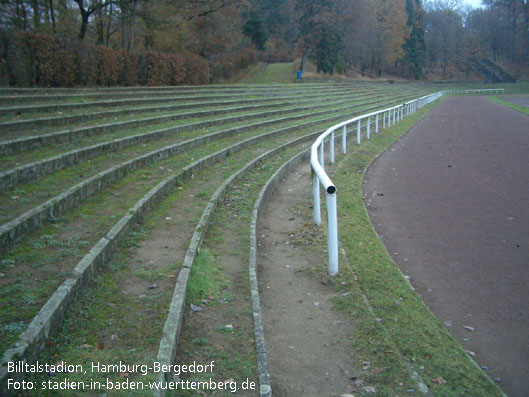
140, 134
51, 252
227, 243
33, 110
399, 331
15, 229
124, 329
31, 142
515, 106
81, 115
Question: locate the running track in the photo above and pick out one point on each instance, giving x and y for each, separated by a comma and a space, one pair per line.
450, 201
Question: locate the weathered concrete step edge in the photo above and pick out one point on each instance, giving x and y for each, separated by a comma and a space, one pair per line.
32, 142
173, 324
18, 94
17, 228
33, 340
28, 172
64, 119
51, 107
16, 90
20, 99
57, 205
265, 388
58, 120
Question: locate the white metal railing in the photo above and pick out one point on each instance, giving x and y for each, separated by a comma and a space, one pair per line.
480, 91
389, 117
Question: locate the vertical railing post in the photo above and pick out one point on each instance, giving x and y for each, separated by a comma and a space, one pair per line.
332, 233
383, 120
344, 139
358, 139
368, 133
321, 158
376, 124
316, 198
331, 149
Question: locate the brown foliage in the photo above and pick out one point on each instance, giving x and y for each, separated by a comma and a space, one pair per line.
41, 60
158, 69
197, 70
228, 66
130, 69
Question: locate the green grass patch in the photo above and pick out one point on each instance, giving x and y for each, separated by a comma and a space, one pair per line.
207, 278
515, 106
397, 332
275, 73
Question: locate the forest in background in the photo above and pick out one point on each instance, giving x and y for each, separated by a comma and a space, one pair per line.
168, 42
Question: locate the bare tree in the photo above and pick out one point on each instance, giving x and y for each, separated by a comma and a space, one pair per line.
86, 12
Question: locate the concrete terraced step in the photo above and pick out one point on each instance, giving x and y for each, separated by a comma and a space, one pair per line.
34, 338
52, 313
39, 168
17, 228
75, 118
64, 107
32, 142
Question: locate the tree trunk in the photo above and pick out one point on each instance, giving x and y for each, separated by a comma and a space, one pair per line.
303, 61
36, 14
109, 24
84, 24
52, 17
100, 27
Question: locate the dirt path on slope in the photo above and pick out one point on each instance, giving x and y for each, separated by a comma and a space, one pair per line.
450, 202
308, 343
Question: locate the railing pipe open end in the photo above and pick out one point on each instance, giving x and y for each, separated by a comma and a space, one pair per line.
317, 161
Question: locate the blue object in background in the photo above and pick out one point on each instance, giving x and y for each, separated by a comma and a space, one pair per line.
298, 75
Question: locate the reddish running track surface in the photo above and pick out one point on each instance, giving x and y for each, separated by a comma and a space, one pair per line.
450, 201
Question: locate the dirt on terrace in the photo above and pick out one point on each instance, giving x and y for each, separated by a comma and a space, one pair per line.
308, 342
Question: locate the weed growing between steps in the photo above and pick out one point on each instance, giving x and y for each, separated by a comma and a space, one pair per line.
122, 314
223, 330
24, 197
43, 261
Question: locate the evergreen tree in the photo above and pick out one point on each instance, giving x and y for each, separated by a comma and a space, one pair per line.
254, 29
327, 54
414, 47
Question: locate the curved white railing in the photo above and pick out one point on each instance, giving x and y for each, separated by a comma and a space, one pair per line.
480, 91
389, 117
